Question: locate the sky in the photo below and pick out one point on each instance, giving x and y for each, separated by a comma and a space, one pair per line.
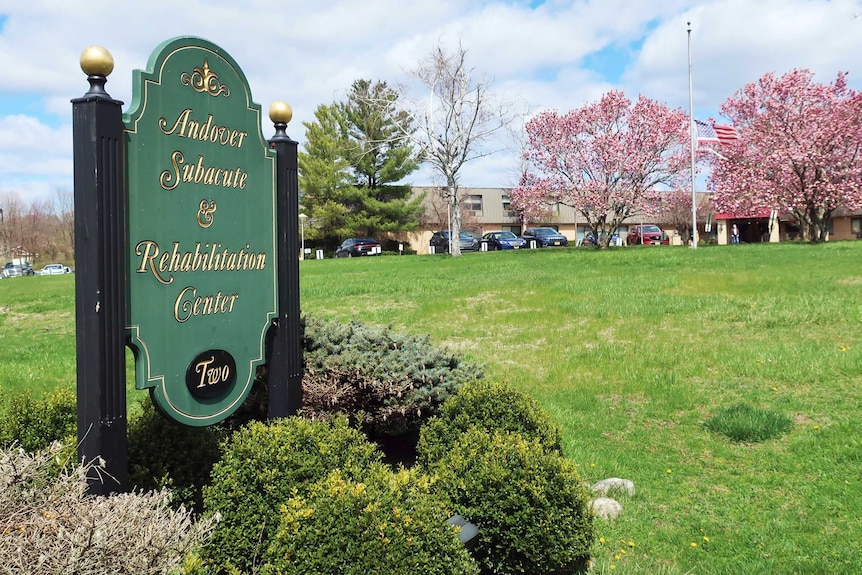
536, 55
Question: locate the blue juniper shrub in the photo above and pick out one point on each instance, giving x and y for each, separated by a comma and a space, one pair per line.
390, 383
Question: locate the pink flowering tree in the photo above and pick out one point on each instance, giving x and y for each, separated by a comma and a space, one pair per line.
604, 160
798, 150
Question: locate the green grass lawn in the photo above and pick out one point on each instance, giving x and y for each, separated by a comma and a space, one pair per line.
631, 350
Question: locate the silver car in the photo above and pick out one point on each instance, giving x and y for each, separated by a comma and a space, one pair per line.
54, 270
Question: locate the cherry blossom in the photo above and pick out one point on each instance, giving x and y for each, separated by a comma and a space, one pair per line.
605, 160
798, 150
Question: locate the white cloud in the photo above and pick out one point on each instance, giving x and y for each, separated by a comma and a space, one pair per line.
309, 53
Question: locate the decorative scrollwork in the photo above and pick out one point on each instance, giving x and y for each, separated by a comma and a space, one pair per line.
205, 213
205, 80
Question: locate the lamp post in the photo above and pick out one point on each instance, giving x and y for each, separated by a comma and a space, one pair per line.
302, 218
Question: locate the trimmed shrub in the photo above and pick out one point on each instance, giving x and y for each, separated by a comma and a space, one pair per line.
388, 523
390, 247
184, 467
262, 467
34, 424
744, 423
388, 382
50, 526
529, 503
489, 406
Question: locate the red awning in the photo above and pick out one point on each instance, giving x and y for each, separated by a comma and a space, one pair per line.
758, 213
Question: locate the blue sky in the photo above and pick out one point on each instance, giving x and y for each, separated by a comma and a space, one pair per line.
556, 54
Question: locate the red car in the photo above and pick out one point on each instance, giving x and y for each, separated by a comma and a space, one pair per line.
647, 234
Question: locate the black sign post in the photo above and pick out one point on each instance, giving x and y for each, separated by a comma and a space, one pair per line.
100, 272
285, 362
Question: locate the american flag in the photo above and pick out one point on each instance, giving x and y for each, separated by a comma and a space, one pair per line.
715, 133
726, 134
705, 133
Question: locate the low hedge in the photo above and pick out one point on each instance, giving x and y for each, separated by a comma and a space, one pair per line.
167, 454
491, 406
35, 423
264, 465
529, 503
387, 523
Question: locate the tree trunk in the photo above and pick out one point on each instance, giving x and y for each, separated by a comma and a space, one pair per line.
455, 233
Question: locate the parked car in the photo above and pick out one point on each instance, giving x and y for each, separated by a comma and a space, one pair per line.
647, 234
11, 270
440, 242
54, 270
356, 247
504, 241
590, 239
545, 237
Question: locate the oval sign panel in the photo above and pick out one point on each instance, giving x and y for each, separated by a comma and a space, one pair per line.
211, 374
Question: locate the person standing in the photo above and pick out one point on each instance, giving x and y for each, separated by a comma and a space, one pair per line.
734, 234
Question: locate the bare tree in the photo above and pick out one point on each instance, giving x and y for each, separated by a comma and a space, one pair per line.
453, 126
461, 117
11, 227
64, 209
38, 230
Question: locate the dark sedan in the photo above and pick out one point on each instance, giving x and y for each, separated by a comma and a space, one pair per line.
440, 242
504, 241
545, 237
356, 247
647, 235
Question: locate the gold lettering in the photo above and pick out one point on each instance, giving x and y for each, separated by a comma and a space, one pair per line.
189, 304
180, 123
185, 127
149, 250
200, 173
184, 305
169, 180
201, 368
211, 376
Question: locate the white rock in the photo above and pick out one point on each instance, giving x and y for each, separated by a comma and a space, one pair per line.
606, 508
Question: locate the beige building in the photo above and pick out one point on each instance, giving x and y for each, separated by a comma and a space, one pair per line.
489, 209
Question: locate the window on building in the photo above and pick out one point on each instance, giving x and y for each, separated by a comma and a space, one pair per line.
507, 208
856, 226
472, 203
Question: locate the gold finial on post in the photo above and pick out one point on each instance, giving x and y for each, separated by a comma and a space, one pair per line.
280, 112
97, 61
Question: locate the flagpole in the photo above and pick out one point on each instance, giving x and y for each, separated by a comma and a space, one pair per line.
693, 143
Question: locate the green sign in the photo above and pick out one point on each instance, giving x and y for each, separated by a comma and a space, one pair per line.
201, 232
